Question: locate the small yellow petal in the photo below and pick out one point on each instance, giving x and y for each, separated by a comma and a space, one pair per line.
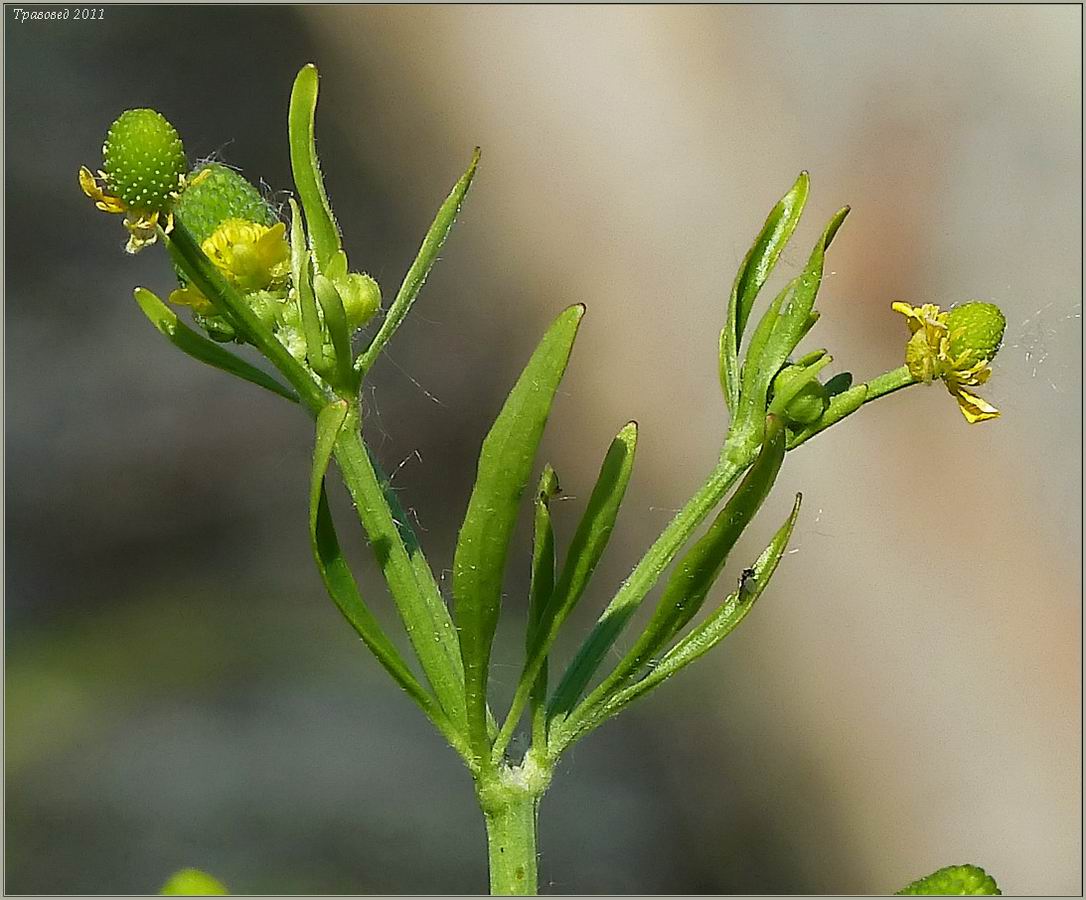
974, 408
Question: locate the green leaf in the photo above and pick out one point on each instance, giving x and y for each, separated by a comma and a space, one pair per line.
202, 349
959, 881
505, 465
420, 268
641, 580
787, 321
193, 883
199, 270
336, 319
717, 626
321, 224
336, 573
301, 275
753, 273
586, 549
699, 569
539, 593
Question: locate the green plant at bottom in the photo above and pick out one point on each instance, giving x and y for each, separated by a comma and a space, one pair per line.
286, 288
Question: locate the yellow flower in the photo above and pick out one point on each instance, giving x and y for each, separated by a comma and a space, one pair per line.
250, 256
957, 347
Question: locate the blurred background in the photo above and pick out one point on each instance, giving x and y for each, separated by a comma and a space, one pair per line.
180, 691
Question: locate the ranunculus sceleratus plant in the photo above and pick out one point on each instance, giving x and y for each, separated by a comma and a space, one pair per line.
286, 288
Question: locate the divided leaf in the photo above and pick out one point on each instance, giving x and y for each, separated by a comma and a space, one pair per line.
698, 570
587, 547
717, 626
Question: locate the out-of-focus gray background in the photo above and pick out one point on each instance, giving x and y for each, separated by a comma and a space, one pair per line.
907, 695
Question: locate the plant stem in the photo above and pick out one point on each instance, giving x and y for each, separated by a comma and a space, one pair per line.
424, 615
510, 834
509, 798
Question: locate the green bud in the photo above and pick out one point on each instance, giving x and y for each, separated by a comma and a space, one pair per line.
220, 194
798, 396
144, 159
975, 328
361, 298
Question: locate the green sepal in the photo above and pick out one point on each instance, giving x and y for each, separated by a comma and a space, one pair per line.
420, 268
505, 465
753, 273
199, 347
320, 223
585, 550
193, 883
958, 881
717, 626
697, 572
336, 573
798, 396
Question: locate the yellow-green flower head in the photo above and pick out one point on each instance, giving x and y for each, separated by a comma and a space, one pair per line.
957, 347
143, 172
958, 881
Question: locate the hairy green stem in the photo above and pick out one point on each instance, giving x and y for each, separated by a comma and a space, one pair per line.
435, 643
509, 799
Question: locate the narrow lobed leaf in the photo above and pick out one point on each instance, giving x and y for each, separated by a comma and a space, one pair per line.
634, 589
539, 593
420, 268
505, 465
302, 276
717, 626
698, 570
200, 348
323, 231
587, 547
792, 317
753, 273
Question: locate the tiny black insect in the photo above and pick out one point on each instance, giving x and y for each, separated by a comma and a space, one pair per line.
746, 582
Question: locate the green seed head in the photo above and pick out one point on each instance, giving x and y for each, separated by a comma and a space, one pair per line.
954, 880
975, 328
143, 159
220, 194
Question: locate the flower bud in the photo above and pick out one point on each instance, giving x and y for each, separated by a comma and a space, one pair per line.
144, 160
361, 298
798, 396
